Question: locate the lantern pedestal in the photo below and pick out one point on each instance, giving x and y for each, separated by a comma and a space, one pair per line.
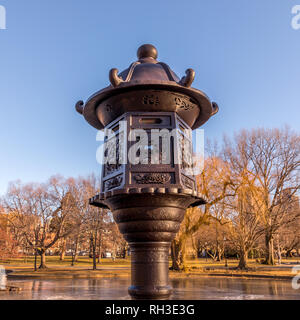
149, 219
150, 270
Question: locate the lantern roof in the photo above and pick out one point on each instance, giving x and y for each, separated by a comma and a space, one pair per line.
147, 73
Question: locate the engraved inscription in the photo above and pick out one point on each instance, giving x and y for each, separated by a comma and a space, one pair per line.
151, 99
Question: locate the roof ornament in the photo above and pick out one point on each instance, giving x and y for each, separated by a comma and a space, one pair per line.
79, 106
114, 79
188, 79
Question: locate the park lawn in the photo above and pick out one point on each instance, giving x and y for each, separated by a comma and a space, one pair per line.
52, 261
121, 268
217, 268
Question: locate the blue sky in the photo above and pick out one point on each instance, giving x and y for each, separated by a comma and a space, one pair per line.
54, 52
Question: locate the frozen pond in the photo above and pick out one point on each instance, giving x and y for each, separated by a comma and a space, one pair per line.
115, 289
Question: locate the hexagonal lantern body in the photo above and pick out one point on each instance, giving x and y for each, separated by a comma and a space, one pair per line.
147, 182
148, 150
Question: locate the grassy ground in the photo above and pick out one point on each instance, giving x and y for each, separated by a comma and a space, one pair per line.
121, 268
54, 261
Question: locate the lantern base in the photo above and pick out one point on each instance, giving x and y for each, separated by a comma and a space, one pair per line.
150, 270
150, 293
149, 222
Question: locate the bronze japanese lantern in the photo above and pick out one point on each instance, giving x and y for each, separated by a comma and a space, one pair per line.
149, 193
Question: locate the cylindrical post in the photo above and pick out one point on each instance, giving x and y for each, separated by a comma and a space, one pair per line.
150, 270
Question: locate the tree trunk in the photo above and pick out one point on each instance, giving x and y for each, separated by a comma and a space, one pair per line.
225, 256
94, 243
243, 260
35, 262
289, 253
219, 253
269, 250
175, 252
278, 250
74, 253
25, 253
178, 255
279, 255
63, 251
124, 253
43, 259
94, 260
99, 247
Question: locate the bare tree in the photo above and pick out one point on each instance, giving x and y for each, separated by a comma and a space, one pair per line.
215, 184
211, 239
245, 228
40, 213
94, 218
271, 157
79, 217
9, 246
288, 236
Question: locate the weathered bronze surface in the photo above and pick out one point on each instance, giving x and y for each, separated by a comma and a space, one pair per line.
148, 201
148, 77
